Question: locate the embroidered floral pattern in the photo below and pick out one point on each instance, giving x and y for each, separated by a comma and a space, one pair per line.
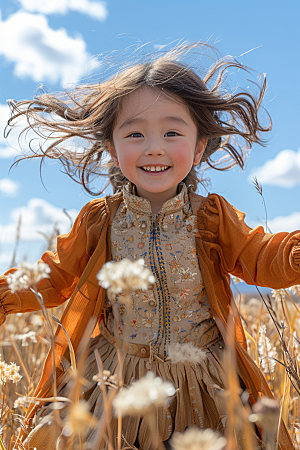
176, 308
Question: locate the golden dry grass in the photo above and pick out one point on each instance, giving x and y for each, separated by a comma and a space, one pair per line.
27, 332
272, 330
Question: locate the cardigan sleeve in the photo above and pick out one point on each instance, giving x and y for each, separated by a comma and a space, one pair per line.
66, 263
264, 259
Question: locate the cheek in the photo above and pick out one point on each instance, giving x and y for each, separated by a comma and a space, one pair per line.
183, 156
127, 159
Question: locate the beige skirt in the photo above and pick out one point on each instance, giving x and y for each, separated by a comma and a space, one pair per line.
196, 402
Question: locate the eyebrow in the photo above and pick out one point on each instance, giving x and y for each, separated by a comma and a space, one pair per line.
140, 120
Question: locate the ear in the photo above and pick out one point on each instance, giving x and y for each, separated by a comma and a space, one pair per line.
199, 151
113, 153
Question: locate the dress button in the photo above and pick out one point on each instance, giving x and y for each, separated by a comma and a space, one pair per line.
152, 303
175, 318
143, 225
165, 227
143, 350
124, 225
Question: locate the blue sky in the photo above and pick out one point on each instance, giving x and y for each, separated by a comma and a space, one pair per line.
52, 42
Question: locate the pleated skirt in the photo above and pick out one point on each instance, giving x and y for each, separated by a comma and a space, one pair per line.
197, 401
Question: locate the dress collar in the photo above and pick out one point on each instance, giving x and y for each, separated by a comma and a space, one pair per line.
142, 206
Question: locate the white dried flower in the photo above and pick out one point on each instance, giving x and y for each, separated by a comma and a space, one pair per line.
266, 351
27, 276
185, 353
266, 414
278, 294
31, 335
295, 289
36, 321
124, 277
80, 419
22, 401
253, 306
143, 396
107, 378
9, 372
196, 439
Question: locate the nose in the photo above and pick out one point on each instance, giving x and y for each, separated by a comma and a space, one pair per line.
154, 148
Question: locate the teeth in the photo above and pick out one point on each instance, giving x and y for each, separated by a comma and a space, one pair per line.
155, 169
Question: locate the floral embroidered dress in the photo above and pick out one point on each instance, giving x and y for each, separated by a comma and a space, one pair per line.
175, 310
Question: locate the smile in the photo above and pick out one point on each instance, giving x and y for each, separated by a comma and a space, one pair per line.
155, 168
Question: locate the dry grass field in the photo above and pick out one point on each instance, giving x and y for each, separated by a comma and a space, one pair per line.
272, 327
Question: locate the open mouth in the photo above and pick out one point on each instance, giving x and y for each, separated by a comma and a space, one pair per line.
154, 169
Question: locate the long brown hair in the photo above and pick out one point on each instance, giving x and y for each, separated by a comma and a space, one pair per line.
230, 121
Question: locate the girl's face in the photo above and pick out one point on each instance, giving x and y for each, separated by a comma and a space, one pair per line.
155, 143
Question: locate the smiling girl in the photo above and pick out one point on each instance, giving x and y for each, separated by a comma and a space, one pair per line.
155, 144
159, 122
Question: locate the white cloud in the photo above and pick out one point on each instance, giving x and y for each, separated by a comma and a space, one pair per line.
285, 223
9, 187
37, 216
281, 223
39, 52
282, 171
97, 10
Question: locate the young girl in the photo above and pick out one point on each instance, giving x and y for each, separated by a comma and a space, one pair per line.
159, 121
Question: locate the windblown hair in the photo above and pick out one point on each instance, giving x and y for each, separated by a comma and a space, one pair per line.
90, 111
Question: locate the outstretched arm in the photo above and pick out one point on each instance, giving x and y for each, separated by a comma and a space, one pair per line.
66, 264
271, 260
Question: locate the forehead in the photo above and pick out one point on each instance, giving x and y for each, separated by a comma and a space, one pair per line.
147, 102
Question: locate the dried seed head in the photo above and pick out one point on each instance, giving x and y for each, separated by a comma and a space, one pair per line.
196, 439
114, 377
27, 276
80, 419
143, 396
106, 373
123, 277
278, 294
22, 401
266, 414
295, 289
30, 336
266, 351
9, 372
185, 353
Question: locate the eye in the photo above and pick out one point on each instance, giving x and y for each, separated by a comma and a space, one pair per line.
171, 134
136, 134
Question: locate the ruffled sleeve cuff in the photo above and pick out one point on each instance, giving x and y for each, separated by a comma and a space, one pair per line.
295, 255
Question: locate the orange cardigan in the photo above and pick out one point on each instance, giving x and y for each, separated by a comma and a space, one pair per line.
225, 245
